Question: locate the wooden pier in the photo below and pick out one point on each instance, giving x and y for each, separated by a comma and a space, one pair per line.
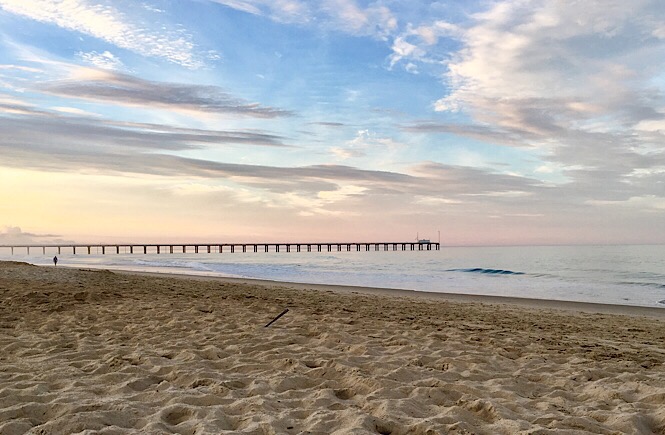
170, 248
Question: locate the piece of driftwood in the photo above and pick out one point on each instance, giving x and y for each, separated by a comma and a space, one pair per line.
276, 318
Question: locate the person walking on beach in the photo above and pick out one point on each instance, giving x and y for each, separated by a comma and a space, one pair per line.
55, 260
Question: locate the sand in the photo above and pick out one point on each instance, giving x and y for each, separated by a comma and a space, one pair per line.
85, 351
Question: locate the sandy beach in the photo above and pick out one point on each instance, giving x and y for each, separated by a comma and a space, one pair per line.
94, 351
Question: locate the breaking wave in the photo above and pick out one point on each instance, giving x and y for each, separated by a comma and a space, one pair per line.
487, 271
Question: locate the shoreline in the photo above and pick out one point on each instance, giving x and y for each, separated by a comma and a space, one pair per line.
474, 273
532, 303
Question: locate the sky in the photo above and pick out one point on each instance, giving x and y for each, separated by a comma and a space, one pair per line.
519, 122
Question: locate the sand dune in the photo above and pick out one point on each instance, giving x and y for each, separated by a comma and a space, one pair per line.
113, 353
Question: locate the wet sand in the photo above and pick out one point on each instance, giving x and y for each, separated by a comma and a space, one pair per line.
90, 351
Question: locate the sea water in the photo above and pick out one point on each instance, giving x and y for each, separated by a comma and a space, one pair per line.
623, 275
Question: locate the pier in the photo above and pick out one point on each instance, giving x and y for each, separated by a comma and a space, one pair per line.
170, 248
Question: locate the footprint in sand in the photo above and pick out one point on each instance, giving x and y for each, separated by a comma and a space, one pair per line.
344, 394
176, 415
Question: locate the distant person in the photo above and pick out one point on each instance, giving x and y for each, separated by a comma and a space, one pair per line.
55, 260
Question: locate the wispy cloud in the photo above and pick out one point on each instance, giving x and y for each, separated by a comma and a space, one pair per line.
53, 143
19, 68
366, 142
108, 23
251, 6
461, 181
50, 141
117, 88
328, 124
417, 44
36, 131
105, 60
346, 16
483, 132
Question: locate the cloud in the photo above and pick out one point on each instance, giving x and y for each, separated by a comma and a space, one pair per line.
75, 145
320, 189
346, 16
592, 165
53, 142
542, 66
11, 235
580, 87
109, 24
35, 131
284, 11
375, 20
117, 88
328, 124
520, 51
462, 181
483, 132
105, 60
307, 202
20, 68
251, 7
347, 153
365, 143
73, 111
415, 44
648, 202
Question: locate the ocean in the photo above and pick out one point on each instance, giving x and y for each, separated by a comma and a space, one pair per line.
621, 275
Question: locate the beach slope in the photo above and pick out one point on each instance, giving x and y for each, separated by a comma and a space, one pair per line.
85, 351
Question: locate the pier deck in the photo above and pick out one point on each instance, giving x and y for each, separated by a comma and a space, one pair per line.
170, 248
